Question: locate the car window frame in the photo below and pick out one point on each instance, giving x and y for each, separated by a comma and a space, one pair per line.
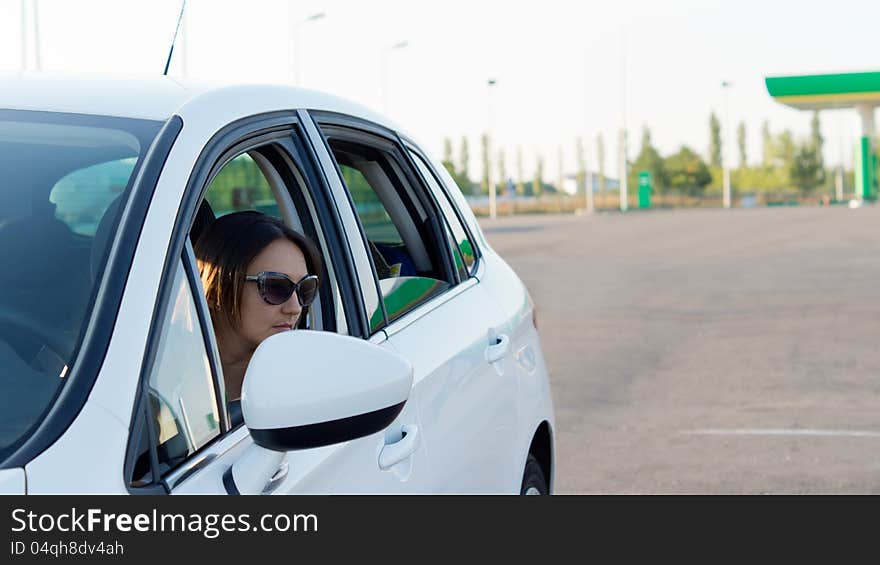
274, 151
286, 129
360, 130
411, 146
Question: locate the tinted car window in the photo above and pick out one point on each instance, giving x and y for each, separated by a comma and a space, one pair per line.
463, 249
240, 185
399, 234
65, 179
183, 402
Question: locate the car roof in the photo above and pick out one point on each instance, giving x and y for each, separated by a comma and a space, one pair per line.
160, 97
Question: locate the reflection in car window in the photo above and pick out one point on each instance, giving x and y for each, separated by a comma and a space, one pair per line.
464, 251
404, 253
65, 179
82, 197
377, 223
241, 185
183, 403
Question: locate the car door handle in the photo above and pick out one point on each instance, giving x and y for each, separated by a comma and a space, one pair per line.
497, 350
394, 453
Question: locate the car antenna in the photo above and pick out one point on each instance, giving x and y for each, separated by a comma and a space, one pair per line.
171, 52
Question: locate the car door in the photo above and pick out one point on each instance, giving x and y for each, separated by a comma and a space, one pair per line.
501, 348
433, 312
183, 439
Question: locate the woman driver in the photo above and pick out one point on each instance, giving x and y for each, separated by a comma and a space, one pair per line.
259, 277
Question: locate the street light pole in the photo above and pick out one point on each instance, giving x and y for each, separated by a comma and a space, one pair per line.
588, 183
296, 43
493, 210
725, 153
24, 35
384, 72
37, 62
621, 142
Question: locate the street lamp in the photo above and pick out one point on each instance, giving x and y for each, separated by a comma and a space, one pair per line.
725, 153
296, 43
384, 72
493, 211
24, 35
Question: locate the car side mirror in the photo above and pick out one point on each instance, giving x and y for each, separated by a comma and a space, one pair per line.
306, 389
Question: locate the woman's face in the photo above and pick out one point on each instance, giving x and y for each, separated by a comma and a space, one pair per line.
260, 319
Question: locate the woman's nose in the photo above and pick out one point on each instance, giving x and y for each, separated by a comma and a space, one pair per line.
292, 306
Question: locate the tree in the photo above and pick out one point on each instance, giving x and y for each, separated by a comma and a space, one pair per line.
581, 165
600, 161
520, 184
766, 145
447, 157
714, 140
685, 171
538, 181
502, 173
464, 181
783, 150
484, 152
741, 144
648, 159
816, 140
805, 170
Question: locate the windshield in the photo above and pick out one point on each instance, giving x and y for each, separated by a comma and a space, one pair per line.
64, 179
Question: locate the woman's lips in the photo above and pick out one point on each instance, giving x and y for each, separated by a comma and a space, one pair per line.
283, 327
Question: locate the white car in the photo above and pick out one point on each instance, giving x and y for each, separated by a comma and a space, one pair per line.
419, 370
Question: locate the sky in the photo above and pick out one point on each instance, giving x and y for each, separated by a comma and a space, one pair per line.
563, 69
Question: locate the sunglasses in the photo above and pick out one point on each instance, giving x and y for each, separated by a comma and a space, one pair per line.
277, 288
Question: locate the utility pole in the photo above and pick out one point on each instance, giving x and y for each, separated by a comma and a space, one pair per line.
297, 45
621, 141
621, 168
24, 49
493, 211
588, 182
37, 62
384, 72
725, 152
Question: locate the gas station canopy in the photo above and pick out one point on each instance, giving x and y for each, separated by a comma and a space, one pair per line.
860, 91
819, 92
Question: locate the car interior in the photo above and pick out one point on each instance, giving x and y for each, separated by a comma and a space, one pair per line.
399, 230
47, 243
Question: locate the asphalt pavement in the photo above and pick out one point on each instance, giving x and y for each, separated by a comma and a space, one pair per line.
708, 351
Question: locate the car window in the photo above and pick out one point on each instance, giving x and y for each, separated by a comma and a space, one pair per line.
65, 180
461, 243
182, 396
241, 185
82, 197
403, 233
377, 223
268, 179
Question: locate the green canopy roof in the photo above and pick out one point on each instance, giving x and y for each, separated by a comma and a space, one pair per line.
817, 92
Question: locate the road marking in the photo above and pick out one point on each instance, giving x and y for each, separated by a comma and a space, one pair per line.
781, 432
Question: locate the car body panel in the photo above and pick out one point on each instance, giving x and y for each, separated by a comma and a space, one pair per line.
467, 406
346, 468
12, 481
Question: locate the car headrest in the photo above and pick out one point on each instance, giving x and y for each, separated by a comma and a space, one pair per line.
100, 244
204, 218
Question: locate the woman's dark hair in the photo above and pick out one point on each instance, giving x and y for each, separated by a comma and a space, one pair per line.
226, 248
